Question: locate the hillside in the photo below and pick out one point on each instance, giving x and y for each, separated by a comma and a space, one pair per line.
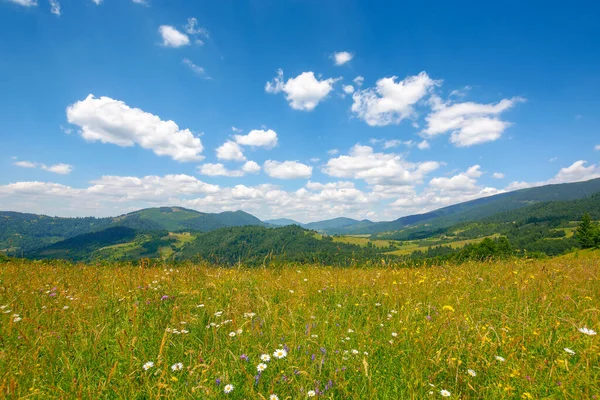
26, 232
282, 222
428, 224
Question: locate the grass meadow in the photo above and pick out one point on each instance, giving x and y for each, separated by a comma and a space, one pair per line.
496, 330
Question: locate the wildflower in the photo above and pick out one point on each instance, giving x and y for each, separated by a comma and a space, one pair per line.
273, 397
394, 334
199, 305
231, 334
354, 351
17, 319
65, 307
445, 393
587, 331
177, 366
244, 357
265, 358
311, 393
449, 308
261, 367
569, 351
280, 353
239, 331
164, 297
350, 331
148, 365
228, 388
471, 372
501, 359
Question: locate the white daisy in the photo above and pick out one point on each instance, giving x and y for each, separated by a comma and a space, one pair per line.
273, 397
265, 358
569, 351
228, 388
17, 319
394, 334
261, 367
587, 331
501, 359
148, 365
177, 366
280, 353
445, 393
471, 372
231, 334
311, 393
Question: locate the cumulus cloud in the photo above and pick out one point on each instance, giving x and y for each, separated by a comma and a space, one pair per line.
463, 182
303, 92
112, 121
250, 167
258, 138
342, 57
390, 102
469, 123
348, 89
423, 145
597, 148
358, 81
62, 169
230, 151
172, 37
498, 175
578, 171
378, 168
287, 169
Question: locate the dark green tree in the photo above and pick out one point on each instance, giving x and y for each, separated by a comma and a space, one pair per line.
586, 232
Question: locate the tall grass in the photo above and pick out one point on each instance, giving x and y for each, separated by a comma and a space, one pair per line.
85, 331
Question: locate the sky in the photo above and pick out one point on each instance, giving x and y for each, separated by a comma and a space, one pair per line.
293, 108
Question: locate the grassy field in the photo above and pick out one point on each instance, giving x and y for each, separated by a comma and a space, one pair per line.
490, 331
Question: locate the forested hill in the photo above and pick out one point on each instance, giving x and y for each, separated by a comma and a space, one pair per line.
26, 232
254, 245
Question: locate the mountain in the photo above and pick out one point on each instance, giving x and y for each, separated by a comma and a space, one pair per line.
282, 222
26, 232
334, 224
424, 225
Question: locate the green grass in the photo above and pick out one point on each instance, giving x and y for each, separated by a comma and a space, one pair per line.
362, 240
85, 331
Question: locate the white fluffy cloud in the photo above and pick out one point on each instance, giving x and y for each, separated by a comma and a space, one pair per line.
348, 89
60, 168
172, 37
378, 168
597, 148
577, 172
25, 164
230, 151
250, 167
258, 138
287, 169
303, 92
463, 182
342, 57
390, 102
24, 3
498, 175
469, 123
423, 145
54, 7
112, 121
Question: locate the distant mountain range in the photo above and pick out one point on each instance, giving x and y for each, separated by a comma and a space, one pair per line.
27, 232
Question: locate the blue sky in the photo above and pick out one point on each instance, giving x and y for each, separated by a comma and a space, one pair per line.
381, 109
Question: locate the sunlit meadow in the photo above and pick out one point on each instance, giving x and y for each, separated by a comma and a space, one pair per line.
515, 329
